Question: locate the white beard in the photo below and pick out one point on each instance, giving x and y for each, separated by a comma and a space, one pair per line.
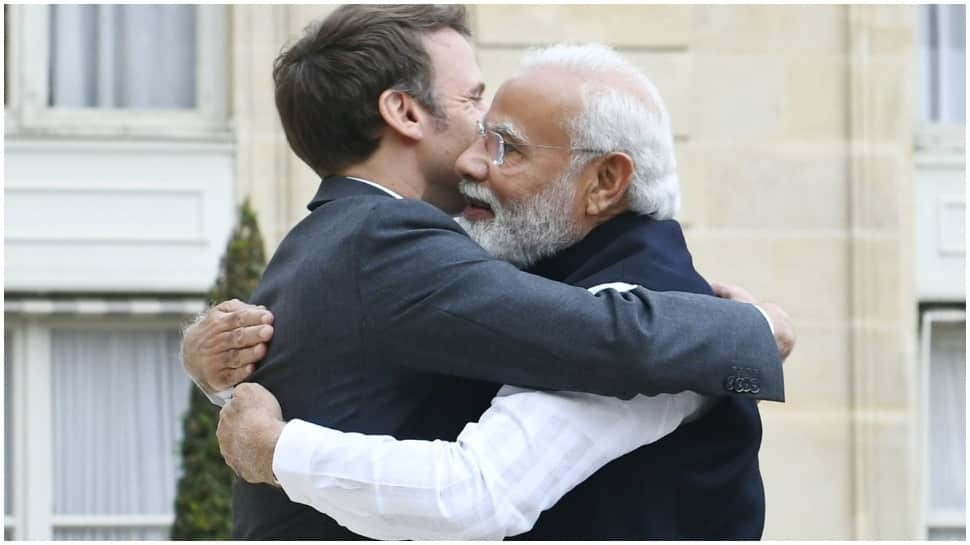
523, 232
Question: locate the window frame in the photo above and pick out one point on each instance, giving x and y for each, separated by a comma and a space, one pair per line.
30, 330
931, 520
29, 113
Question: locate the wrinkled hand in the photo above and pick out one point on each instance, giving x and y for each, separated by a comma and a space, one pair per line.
249, 427
784, 329
222, 347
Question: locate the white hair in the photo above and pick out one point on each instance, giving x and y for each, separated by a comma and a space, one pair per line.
631, 119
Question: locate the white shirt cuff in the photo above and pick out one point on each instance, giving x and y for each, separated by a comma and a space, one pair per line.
300, 447
618, 286
767, 319
220, 398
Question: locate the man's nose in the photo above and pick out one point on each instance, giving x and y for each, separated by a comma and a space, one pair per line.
472, 164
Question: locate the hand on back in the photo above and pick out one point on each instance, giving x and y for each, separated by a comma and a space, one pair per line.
784, 329
221, 348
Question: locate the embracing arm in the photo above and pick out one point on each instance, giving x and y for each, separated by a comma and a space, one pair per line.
434, 300
526, 330
527, 451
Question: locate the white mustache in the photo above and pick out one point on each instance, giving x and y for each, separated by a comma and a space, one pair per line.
477, 191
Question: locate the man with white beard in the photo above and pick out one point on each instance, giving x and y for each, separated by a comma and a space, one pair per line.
573, 179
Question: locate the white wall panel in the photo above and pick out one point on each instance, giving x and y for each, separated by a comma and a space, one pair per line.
115, 216
941, 229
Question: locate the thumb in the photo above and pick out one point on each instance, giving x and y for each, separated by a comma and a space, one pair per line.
721, 290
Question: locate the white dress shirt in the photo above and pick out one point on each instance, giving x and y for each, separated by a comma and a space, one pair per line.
525, 453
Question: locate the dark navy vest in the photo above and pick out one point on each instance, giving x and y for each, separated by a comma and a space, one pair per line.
700, 482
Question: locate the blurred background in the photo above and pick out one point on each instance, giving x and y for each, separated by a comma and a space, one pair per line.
822, 160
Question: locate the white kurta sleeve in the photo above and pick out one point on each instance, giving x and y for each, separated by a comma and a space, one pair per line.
528, 450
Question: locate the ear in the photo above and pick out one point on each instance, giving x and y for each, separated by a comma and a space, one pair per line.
401, 113
608, 189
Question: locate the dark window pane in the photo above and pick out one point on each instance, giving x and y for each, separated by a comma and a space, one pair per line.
948, 534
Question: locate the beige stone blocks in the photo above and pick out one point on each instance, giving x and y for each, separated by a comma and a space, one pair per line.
882, 198
891, 40
785, 30
889, 379
818, 374
816, 102
881, 287
664, 26
769, 188
886, 103
888, 504
806, 463
738, 98
805, 274
890, 16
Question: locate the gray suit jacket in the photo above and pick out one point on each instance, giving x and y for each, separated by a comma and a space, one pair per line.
390, 320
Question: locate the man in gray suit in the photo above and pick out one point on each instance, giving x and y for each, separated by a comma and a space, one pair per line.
389, 320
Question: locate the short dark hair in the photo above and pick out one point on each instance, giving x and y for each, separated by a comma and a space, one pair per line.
328, 82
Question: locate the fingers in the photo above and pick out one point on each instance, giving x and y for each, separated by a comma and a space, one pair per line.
223, 435
719, 289
241, 318
785, 335
233, 366
258, 404
253, 389
238, 347
243, 337
732, 292
247, 389
229, 377
781, 322
234, 358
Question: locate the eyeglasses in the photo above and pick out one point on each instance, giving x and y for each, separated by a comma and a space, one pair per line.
495, 145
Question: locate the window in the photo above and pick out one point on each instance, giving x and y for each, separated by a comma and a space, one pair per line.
944, 378
941, 96
154, 70
6, 55
123, 56
111, 395
943, 38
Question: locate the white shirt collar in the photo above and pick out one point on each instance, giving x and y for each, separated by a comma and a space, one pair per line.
378, 186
